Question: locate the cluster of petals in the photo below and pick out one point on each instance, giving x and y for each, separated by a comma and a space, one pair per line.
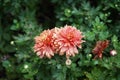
64, 40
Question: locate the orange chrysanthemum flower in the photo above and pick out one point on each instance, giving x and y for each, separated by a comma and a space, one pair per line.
100, 46
68, 39
43, 44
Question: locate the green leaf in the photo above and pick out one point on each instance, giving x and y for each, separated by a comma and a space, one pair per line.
6, 64
103, 35
114, 38
89, 76
97, 20
90, 36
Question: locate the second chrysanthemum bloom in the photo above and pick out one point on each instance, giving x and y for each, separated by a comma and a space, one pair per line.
68, 39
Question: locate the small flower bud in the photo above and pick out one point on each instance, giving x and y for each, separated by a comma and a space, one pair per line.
12, 42
68, 62
89, 56
25, 66
113, 52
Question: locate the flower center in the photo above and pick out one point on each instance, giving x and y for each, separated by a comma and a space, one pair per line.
69, 36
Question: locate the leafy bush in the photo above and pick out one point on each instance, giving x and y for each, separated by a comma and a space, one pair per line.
22, 20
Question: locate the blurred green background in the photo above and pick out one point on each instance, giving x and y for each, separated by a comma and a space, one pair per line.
22, 20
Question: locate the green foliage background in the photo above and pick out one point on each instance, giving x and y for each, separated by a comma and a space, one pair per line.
22, 20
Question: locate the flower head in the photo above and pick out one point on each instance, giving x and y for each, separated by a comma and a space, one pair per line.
43, 44
68, 39
98, 49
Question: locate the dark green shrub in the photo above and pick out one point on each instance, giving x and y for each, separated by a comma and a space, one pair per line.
22, 20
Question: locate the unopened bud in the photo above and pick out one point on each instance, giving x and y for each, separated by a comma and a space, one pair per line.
113, 52
68, 62
25, 66
12, 42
